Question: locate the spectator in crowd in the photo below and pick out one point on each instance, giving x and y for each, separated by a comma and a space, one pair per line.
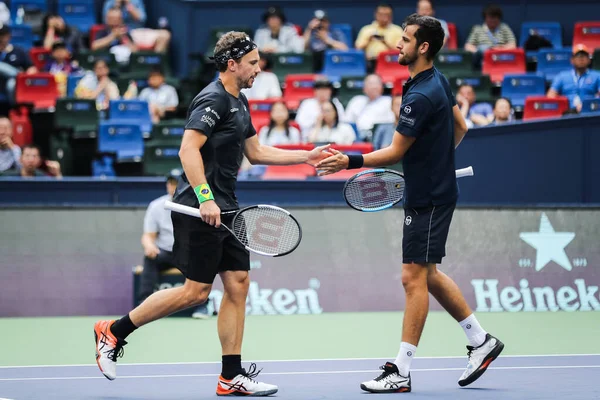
10, 153
329, 129
372, 107
475, 114
383, 134
310, 109
13, 60
157, 242
115, 37
425, 7
134, 16
578, 82
380, 35
492, 34
279, 130
32, 165
56, 30
266, 85
98, 85
319, 37
4, 13
61, 66
277, 36
161, 98
503, 112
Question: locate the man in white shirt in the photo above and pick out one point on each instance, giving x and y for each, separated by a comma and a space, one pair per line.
276, 36
161, 98
310, 109
371, 108
10, 153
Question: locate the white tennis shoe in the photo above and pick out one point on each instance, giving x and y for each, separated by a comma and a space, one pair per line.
245, 385
390, 381
480, 359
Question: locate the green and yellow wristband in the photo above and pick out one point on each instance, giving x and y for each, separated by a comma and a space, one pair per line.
203, 193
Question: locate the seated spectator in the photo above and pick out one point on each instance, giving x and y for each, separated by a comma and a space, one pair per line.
97, 85
383, 134
492, 34
32, 164
4, 13
115, 37
55, 30
475, 114
277, 36
161, 98
279, 130
10, 153
371, 108
318, 38
310, 109
61, 66
380, 35
266, 85
503, 112
329, 129
425, 7
13, 60
578, 82
134, 16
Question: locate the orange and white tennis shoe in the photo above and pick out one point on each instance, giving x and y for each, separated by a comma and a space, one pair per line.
108, 348
244, 385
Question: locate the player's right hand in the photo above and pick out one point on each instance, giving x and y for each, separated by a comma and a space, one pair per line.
210, 213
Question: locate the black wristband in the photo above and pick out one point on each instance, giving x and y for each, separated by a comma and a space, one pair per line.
355, 161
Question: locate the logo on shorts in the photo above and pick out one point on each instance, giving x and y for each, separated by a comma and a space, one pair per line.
407, 109
408, 220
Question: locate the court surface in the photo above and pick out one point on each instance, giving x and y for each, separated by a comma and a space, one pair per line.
309, 357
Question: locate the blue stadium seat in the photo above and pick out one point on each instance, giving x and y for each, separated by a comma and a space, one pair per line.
517, 87
550, 62
123, 139
72, 82
41, 5
21, 36
346, 30
131, 111
79, 13
590, 105
549, 30
339, 64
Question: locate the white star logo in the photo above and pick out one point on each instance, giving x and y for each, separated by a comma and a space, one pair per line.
550, 245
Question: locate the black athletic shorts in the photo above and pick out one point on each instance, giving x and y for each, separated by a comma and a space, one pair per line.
425, 233
202, 251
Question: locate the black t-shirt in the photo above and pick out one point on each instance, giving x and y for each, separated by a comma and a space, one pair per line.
17, 57
225, 120
426, 114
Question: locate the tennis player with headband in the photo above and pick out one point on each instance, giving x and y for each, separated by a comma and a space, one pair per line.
430, 127
217, 134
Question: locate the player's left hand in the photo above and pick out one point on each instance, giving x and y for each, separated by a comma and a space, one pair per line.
318, 153
335, 163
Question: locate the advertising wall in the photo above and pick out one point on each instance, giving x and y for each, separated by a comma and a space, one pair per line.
79, 262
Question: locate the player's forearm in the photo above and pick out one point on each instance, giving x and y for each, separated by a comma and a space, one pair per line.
193, 166
382, 157
267, 155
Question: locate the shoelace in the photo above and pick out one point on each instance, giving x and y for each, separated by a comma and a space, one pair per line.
386, 372
470, 351
252, 372
117, 352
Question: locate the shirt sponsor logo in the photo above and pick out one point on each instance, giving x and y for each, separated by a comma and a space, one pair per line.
208, 120
210, 110
407, 121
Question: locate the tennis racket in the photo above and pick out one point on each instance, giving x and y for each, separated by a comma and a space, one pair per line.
379, 189
262, 229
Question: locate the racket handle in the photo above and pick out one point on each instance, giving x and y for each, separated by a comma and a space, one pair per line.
464, 172
180, 208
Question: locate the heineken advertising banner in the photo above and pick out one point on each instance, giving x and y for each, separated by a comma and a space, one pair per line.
80, 262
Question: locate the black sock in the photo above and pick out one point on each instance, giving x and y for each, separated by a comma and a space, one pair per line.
123, 327
232, 366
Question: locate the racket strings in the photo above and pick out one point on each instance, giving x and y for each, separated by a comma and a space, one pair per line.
267, 230
375, 190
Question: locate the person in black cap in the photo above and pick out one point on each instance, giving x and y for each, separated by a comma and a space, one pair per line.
276, 36
318, 38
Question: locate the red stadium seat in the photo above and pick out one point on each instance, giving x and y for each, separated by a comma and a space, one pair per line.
297, 88
342, 175
452, 42
94, 31
38, 89
539, 107
361, 148
39, 56
398, 86
388, 68
22, 129
260, 112
587, 33
289, 172
497, 63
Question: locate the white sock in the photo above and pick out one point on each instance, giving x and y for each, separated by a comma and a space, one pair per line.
405, 357
475, 333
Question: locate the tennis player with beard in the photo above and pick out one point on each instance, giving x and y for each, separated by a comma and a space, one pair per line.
217, 134
430, 127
